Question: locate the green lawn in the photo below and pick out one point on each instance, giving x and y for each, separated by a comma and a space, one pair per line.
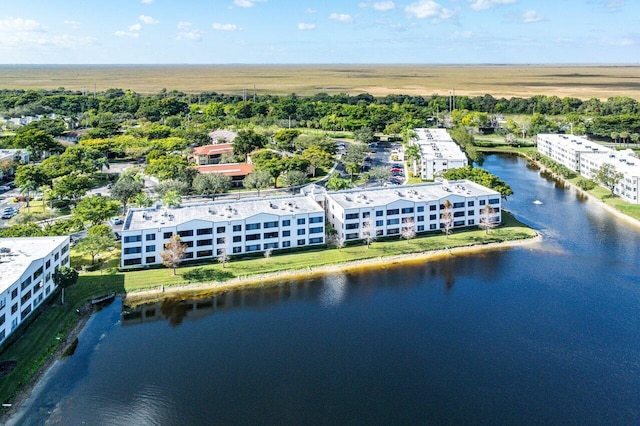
47, 332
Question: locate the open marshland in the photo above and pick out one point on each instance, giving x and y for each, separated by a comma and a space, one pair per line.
581, 81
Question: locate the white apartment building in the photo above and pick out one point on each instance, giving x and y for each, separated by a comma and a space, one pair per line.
439, 153
624, 162
209, 229
567, 149
17, 155
388, 210
26, 268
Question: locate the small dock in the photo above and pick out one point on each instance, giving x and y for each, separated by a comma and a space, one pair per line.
108, 298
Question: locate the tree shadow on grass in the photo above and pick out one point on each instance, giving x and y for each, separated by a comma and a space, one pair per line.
207, 274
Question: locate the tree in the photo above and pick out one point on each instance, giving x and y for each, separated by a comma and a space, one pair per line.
247, 141
293, 178
352, 168
316, 158
408, 228
446, 218
126, 189
176, 185
170, 166
284, 139
94, 244
381, 173
608, 177
367, 233
364, 135
336, 182
95, 209
171, 199
257, 180
63, 277
37, 142
72, 186
481, 177
173, 253
487, 218
211, 184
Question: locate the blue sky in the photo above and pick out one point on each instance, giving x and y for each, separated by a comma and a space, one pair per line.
327, 31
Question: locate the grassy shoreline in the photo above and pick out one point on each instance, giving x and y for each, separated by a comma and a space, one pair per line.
57, 326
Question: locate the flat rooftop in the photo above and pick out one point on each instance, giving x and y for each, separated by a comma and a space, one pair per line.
624, 163
575, 143
432, 135
22, 252
219, 211
358, 198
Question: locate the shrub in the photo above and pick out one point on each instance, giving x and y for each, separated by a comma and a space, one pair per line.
585, 184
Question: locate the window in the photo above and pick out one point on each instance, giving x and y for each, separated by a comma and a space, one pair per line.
407, 210
286, 244
237, 250
2, 319
302, 221
318, 240
432, 226
420, 218
56, 257
352, 226
432, 217
351, 236
150, 259
188, 255
150, 237
64, 249
167, 235
2, 303
420, 209
301, 231
286, 233
204, 231
379, 222
366, 215
432, 207
392, 212
470, 213
472, 222
48, 264
205, 253
186, 233
286, 222
301, 242
132, 250
268, 235
207, 242
25, 312
458, 223
316, 230
483, 202
269, 246
268, 225
252, 226
25, 283
458, 214
237, 238
393, 221
470, 204
458, 205
393, 231
221, 230
352, 216
254, 247
379, 213
150, 249
317, 219
237, 228
14, 308
420, 228
220, 240
133, 238
252, 237
25, 297
494, 201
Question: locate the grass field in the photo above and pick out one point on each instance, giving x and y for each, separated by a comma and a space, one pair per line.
581, 81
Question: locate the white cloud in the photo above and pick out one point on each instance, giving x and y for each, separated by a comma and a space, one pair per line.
429, 9
342, 17
148, 19
488, 4
302, 26
182, 25
384, 6
135, 27
531, 16
225, 27
20, 25
147, 1
193, 35
247, 3
123, 34
73, 24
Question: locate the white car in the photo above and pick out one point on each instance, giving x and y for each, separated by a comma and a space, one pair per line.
4, 188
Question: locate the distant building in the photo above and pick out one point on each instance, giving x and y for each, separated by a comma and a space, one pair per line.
211, 154
222, 136
586, 157
236, 171
438, 152
16, 155
26, 268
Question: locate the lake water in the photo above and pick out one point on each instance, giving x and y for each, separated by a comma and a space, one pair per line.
548, 333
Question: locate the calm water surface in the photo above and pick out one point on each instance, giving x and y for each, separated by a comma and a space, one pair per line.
542, 334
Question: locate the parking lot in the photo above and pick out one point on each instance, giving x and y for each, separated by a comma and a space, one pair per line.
384, 154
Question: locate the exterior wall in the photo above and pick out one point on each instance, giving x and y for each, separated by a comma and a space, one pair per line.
567, 149
629, 186
388, 219
35, 284
432, 167
206, 239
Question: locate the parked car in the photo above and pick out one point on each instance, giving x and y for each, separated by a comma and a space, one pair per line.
116, 221
8, 213
4, 188
396, 170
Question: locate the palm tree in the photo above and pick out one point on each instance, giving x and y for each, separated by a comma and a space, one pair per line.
614, 136
27, 187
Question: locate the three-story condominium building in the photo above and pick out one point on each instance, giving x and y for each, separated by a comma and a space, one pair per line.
230, 227
438, 153
386, 211
26, 267
568, 149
